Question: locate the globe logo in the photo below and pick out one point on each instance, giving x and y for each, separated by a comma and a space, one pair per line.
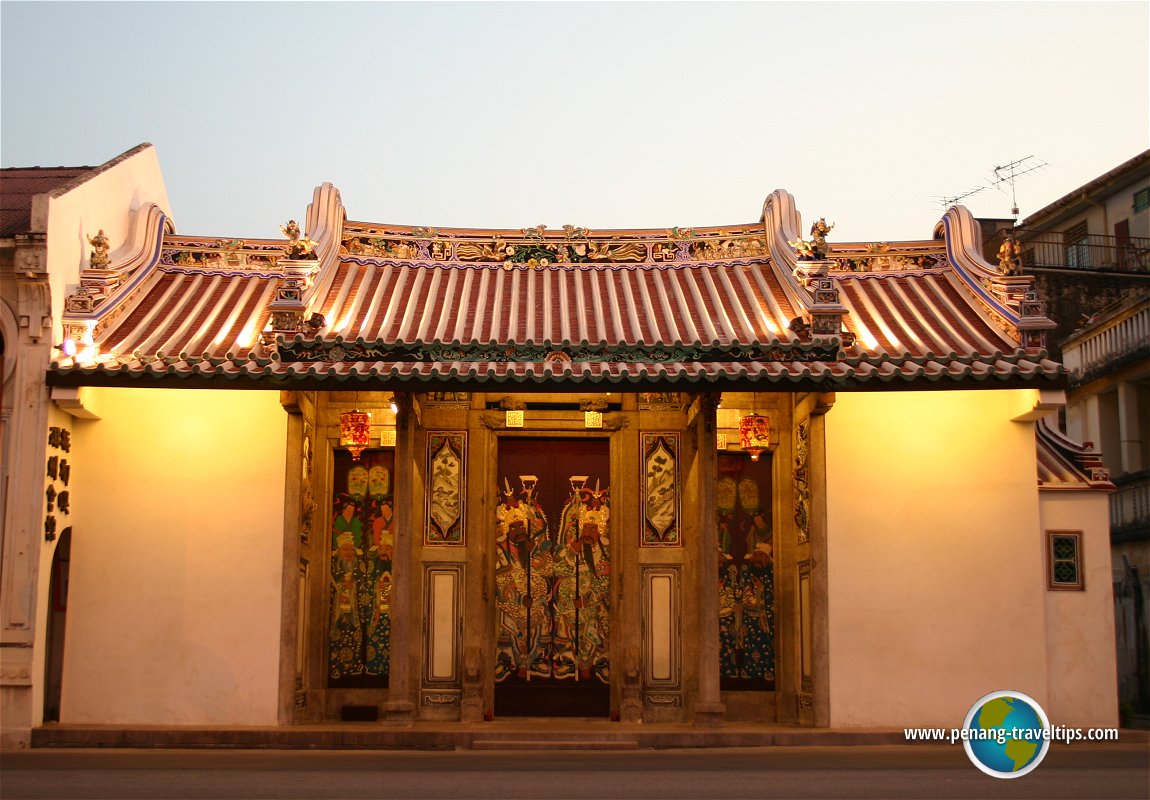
1006, 734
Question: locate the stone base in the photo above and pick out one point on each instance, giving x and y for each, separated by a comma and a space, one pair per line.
631, 709
16, 717
398, 713
710, 715
471, 709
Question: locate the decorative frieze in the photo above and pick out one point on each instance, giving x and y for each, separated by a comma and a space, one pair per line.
319, 350
539, 248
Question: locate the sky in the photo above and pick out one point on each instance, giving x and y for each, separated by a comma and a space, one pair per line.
598, 114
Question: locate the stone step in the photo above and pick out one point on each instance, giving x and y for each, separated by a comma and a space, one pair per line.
554, 744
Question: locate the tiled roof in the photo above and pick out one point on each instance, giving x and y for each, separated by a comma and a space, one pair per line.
1066, 464
19, 185
665, 304
209, 310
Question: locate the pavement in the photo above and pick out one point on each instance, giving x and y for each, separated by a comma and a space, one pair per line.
1111, 770
522, 734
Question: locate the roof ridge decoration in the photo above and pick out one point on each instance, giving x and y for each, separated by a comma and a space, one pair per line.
1079, 460
309, 265
540, 248
1010, 299
106, 287
804, 269
204, 255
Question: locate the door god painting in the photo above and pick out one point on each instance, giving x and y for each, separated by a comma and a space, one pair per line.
362, 548
553, 581
746, 574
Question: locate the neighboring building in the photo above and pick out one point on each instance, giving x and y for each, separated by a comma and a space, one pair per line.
1109, 404
1090, 254
1089, 249
555, 512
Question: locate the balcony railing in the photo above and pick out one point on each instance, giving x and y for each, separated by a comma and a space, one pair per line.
1109, 345
1053, 249
1130, 505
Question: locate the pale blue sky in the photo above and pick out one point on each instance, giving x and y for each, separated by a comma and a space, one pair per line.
596, 114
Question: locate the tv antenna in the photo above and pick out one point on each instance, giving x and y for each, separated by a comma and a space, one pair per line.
946, 201
1009, 173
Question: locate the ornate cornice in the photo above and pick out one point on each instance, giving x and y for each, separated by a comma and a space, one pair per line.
319, 350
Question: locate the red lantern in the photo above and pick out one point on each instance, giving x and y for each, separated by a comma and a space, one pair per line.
755, 434
355, 432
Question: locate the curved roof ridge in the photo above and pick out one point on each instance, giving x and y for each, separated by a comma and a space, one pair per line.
1066, 464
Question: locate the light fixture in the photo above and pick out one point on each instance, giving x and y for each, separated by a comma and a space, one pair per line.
355, 431
394, 405
755, 434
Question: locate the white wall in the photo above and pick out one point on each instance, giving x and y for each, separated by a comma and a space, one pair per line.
1081, 661
936, 593
1120, 205
177, 550
105, 201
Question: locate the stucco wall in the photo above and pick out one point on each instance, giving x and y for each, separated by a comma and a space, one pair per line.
104, 202
1080, 649
935, 562
174, 603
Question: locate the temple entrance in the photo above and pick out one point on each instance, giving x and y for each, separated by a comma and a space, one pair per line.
552, 539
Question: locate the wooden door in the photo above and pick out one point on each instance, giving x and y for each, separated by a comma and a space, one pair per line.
553, 576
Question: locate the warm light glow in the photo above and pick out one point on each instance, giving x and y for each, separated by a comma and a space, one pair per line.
247, 336
355, 432
755, 434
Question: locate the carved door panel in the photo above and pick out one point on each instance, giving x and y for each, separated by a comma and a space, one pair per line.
553, 574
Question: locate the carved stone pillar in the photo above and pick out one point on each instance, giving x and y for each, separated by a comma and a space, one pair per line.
400, 707
709, 710
25, 316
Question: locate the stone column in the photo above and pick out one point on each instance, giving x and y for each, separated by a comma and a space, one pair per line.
400, 707
1129, 433
27, 330
709, 710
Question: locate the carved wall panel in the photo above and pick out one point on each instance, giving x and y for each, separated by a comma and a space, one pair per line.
446, 487
660, 497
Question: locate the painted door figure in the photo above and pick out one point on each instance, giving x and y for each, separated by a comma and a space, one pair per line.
746, 574
362, 546
552, 577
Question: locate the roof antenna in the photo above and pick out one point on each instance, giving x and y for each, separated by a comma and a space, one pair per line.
1009, 173
946, 201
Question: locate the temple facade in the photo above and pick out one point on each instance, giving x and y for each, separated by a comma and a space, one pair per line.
375, 472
